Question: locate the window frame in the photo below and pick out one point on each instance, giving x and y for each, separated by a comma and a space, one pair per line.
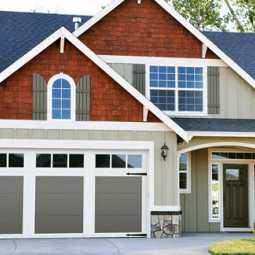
188, 173
176, 112
49, 96
210, 198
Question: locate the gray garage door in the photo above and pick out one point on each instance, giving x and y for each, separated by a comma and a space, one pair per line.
11, 205
59, 205
118, 205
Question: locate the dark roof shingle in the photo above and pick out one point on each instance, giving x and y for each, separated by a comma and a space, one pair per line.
240, 47
216, 125
20, 32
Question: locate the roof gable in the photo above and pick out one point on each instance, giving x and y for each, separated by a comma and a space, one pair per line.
239, 69
64, 34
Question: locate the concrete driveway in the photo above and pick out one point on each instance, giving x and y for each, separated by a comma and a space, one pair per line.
192, 244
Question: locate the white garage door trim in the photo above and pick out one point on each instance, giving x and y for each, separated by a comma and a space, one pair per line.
88, 147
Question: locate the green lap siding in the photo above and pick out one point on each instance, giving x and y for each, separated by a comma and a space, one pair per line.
195, 205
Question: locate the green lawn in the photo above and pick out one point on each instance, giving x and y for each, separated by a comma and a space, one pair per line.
237, 247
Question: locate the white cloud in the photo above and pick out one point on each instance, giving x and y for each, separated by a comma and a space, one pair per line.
82, 7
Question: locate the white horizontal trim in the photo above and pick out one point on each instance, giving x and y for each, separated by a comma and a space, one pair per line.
221, 134
75, 144
83, 125
161, 61
166, 208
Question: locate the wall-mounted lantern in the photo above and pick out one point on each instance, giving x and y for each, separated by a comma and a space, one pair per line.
164, 151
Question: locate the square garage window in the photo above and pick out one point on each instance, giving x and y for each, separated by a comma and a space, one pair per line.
118, 161
3, 160
60, 160
43, 160
102, 160
76, 160
59, 205
16, 160
134, 161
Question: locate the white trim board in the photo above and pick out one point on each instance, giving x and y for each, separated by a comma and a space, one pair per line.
161, 61
63, 32
217, 144
82, 125
221, 134
75, 144
200, 36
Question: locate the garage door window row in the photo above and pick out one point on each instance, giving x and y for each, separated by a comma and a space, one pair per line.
11, 160
59, 160
118, 161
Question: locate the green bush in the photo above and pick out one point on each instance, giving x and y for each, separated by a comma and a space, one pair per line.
237, 247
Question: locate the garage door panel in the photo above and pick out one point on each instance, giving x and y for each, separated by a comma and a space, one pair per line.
11, 205
51, 185
116, 183
59, 205
50, 224
11, 224
10, 184
122, 224
123, 205
118, 205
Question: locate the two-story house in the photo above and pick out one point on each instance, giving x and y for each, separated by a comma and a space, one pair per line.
128, 123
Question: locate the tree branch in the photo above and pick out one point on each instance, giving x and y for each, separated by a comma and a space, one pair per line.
238, 22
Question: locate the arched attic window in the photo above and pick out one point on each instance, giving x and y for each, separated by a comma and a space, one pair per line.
61, 98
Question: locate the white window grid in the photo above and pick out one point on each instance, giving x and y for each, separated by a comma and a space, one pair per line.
176, 89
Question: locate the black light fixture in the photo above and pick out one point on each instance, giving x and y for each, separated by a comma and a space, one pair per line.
164, 151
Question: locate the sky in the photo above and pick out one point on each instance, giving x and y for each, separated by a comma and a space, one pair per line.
81, 7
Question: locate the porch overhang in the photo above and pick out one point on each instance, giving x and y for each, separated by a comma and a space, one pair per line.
203, 142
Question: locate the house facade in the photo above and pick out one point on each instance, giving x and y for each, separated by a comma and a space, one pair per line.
130, 123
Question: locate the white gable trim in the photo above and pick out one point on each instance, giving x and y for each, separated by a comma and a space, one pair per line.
208, 43
63, 32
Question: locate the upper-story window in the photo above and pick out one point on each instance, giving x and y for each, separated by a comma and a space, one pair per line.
178, 90
61, 100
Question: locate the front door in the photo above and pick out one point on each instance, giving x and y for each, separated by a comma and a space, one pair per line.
235, 196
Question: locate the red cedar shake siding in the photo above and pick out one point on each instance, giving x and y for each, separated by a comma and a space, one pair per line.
142, 30
109, 102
